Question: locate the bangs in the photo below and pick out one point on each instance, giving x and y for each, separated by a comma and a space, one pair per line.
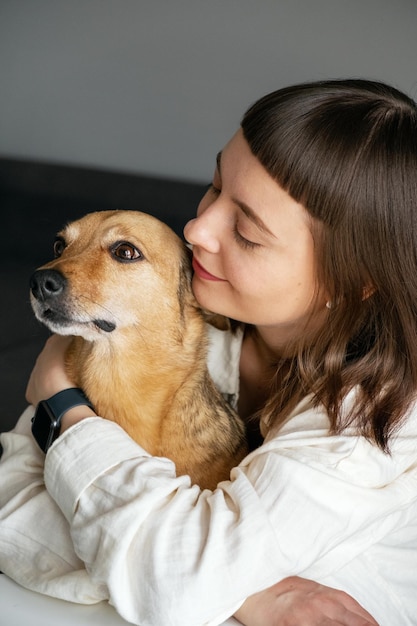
324, 143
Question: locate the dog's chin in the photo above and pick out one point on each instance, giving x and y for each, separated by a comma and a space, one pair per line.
88, 329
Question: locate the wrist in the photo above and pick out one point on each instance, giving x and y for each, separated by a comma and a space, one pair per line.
74, 415
49, 415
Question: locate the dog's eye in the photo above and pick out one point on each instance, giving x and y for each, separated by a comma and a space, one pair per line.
59, 247
124, 251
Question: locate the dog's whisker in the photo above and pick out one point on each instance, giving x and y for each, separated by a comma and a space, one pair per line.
81, 296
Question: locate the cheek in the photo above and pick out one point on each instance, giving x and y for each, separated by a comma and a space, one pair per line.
261, 284
247, 286
247, 271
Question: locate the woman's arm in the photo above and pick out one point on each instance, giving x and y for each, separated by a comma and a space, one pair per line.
36, 548
28, 545
154, 541
167, 551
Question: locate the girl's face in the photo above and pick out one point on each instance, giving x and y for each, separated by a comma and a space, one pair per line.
253, 250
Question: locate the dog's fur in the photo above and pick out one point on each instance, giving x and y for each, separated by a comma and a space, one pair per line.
121, 285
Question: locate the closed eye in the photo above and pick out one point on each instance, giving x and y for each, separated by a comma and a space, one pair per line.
125, 252
211, 188
242, 241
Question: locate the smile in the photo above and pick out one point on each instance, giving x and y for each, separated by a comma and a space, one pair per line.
203, 273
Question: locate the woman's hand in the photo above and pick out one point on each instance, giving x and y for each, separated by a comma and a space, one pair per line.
49, 375
295, 601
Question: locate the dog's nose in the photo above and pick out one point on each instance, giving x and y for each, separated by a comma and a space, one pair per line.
45, 284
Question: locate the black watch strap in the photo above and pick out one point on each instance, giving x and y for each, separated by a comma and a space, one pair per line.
46, 423
67, 399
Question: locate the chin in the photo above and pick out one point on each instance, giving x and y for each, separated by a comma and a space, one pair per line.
208, 297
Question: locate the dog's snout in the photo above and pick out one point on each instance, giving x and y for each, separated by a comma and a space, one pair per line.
46, 284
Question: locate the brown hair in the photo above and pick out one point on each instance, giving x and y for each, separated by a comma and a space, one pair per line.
347, 151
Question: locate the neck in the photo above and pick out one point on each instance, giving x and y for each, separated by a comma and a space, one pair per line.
257, 368
268, 343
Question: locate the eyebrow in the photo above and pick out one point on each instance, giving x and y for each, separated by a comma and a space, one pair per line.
250, 213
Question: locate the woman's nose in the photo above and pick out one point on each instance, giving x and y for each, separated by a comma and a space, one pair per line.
200, 232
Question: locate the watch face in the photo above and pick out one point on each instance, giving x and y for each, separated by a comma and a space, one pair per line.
45, 426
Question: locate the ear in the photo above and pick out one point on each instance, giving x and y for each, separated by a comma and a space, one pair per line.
368, 291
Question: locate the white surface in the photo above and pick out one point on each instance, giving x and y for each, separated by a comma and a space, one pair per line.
20, 607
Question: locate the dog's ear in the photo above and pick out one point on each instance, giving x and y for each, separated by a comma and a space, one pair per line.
185, 293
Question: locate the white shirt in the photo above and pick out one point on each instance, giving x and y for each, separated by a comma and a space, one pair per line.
104, 520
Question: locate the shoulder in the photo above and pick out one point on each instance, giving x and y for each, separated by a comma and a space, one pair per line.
306, 438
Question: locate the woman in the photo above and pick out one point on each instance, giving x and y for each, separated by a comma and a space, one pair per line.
307, 238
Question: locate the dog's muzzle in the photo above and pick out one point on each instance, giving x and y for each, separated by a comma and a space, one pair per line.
47, 287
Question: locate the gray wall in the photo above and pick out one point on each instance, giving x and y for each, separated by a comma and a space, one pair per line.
158, 86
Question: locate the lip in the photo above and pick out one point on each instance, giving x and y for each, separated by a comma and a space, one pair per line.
203, 273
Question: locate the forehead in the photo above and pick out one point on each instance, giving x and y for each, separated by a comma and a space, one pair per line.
249, 183
116, 225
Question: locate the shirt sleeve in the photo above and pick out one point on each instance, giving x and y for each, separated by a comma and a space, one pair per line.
304, 503
36, 549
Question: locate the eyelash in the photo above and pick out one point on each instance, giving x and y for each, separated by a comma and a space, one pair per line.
240, 240
213, 189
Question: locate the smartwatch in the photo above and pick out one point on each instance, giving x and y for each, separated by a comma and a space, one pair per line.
46, 423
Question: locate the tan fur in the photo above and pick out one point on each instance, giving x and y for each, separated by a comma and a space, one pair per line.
149, 374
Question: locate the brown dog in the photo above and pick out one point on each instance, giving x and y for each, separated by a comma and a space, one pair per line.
121, 284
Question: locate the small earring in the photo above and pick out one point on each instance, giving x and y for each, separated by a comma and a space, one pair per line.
329, 305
